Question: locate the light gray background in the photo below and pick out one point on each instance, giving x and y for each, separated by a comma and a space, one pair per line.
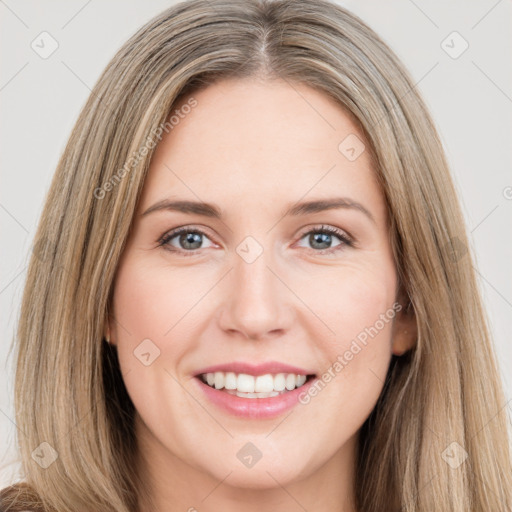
470, 98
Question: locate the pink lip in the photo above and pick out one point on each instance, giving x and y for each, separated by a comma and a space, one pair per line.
255, 369
254, 408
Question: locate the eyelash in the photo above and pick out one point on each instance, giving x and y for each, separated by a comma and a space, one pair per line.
346, 241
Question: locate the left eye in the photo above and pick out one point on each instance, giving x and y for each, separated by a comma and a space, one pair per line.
323, 236
190, 240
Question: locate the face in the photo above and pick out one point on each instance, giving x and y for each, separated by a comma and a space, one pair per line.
256, 285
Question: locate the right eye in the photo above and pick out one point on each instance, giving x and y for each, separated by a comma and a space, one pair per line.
183, 240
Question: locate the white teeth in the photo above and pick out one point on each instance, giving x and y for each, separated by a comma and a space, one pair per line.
230, 381
249, 386
245, 383
219, 380
253, 395
290, 381
264, 383
280, 382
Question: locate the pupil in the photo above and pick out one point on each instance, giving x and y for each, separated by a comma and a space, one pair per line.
190, 238
322, 238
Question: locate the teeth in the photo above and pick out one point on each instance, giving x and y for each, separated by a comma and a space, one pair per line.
290, 382
264, 383
245, 383
230, 381
219, 380
249, 386
253, 395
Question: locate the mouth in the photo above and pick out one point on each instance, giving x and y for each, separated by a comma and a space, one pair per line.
244, 385
264, 391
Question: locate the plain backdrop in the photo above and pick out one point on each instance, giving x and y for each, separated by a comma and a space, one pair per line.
469, 95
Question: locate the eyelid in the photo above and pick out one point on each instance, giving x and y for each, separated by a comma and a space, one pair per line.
341, 233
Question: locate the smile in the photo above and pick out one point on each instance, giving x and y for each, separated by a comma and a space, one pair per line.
250, 386
249, 391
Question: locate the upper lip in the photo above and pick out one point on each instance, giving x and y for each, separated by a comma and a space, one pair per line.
255, 369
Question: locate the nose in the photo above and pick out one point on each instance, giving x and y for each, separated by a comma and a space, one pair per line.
258, 305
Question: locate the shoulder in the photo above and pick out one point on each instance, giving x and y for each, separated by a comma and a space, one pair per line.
20, 497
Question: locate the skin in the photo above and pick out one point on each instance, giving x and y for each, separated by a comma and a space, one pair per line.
255, 148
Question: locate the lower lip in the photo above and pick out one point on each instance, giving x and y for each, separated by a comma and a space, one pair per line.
255, 408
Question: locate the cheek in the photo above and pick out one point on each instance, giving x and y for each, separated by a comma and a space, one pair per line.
157, 311
147, 303
358, 308
364, 303
354, 299
143, 315
147, 306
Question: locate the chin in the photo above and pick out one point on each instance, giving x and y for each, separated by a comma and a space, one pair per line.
266, 477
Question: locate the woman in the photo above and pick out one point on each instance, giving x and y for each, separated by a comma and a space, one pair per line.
250, 285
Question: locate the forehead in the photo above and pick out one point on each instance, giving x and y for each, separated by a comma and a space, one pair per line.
260, 115
271, 140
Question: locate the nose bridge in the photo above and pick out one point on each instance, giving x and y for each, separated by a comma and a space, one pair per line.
255, 305
251, 263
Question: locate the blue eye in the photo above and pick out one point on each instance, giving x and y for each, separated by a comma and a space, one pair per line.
322, 237
190, 240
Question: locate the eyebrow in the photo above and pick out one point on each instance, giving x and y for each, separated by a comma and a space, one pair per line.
304, 208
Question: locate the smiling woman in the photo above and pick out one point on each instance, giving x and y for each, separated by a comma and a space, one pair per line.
270, 307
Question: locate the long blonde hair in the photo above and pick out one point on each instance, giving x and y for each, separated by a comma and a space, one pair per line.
441, 400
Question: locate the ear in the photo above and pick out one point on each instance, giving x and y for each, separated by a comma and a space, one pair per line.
405, 328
